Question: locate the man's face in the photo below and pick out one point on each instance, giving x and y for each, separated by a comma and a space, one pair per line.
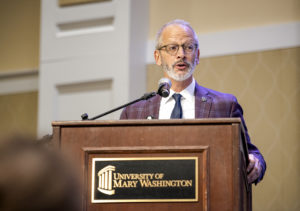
181, 65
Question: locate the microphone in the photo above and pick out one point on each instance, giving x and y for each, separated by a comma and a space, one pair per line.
164, 86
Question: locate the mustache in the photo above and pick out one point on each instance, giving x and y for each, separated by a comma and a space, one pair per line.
188, 64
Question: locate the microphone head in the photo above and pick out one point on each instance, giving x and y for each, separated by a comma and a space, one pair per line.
164, 87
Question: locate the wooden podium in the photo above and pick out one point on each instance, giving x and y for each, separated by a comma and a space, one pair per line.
217, 144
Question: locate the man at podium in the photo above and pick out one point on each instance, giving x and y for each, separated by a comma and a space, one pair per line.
177, 52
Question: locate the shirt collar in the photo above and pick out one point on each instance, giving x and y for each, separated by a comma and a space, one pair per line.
188, 93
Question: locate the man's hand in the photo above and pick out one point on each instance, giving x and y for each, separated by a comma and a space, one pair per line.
254, 168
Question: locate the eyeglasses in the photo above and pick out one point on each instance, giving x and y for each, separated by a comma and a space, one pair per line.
172, 49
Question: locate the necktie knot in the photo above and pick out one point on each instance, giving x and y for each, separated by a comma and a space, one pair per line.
177, 111
176, 97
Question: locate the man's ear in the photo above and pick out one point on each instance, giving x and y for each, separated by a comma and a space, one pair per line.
198, 57
157, 57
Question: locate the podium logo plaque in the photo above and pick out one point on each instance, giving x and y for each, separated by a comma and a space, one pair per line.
144, 179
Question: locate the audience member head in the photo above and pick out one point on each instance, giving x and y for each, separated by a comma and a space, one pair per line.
35, 177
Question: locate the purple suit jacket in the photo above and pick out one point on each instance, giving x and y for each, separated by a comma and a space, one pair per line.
208, 104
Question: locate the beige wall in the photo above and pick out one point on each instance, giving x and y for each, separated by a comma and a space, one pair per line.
18, 114
19, 38
212, 16
19, 51
267, 85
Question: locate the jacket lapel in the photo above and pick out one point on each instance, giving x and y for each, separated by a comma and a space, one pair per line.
202, 102
152, 107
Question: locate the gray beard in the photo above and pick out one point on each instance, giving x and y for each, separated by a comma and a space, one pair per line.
172, 73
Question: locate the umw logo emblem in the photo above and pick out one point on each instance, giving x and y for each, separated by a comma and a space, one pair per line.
105, 180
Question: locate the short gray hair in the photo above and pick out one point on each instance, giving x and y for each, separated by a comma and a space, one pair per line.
174, 22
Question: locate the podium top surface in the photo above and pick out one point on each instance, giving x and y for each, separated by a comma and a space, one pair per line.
208, 121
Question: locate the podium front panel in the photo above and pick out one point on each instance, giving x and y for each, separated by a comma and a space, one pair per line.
218, 144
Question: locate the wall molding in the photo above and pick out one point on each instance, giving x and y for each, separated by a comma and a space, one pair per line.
20, 81
79, 47
247, 40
